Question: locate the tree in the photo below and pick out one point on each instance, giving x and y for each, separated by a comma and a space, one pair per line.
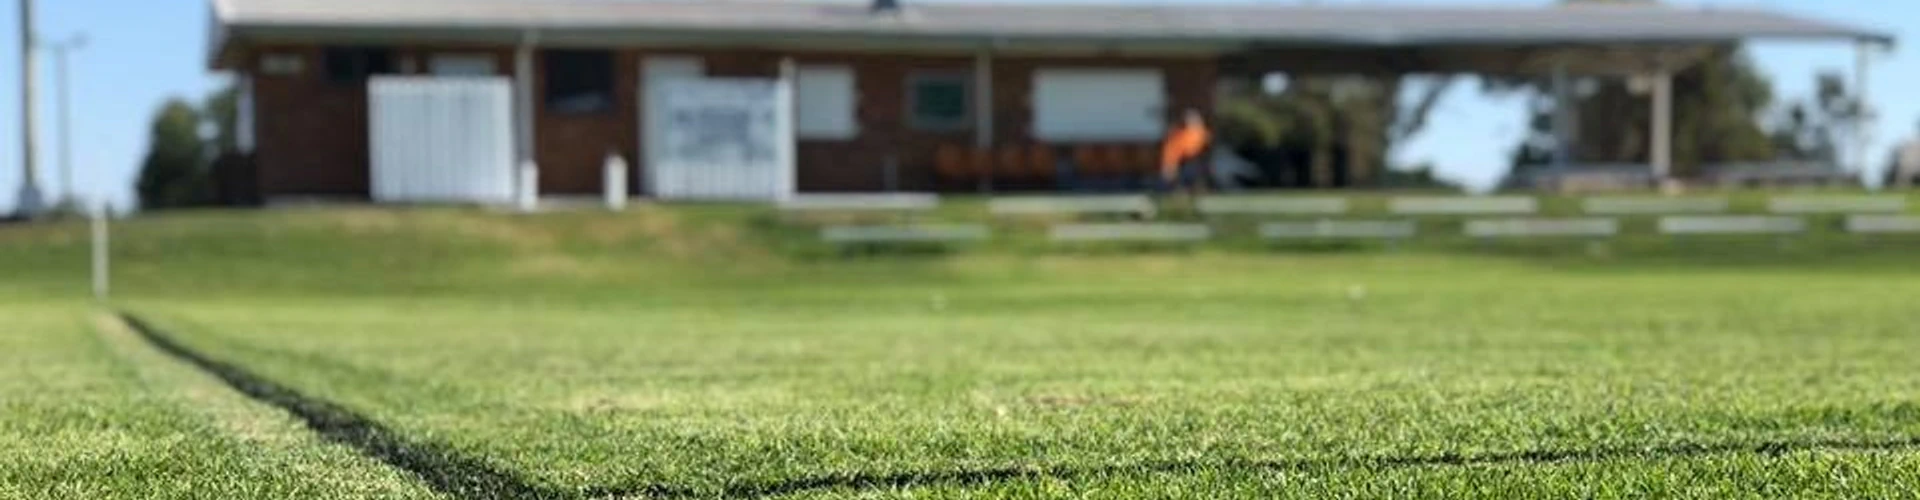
1325, 130
178, 171
175, 172
1720, 104
1812, 129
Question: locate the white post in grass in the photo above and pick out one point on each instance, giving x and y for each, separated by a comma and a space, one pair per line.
527, 194
100, 244
616, 182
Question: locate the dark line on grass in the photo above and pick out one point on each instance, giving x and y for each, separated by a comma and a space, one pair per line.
442, 468
978, 477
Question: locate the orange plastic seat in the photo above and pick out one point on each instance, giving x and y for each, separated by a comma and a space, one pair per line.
1146, 159
1008, 163
951, 163
1117, 159
1040, 161
1085, 161
979, 163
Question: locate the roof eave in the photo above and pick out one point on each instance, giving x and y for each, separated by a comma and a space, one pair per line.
225, 34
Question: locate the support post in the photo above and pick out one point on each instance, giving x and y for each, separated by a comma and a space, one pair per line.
1660, 153
526, 185
790, 126
983, 98
1863, 119
1564, 119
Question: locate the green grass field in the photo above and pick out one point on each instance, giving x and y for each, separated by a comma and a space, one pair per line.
704, 352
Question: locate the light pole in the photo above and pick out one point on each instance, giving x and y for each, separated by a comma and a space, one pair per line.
29, 202
62, 86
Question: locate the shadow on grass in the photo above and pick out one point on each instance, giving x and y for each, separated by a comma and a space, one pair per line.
465, 477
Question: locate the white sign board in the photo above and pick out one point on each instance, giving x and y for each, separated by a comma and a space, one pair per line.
721, 139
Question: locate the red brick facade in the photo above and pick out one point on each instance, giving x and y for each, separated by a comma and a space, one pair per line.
312, 133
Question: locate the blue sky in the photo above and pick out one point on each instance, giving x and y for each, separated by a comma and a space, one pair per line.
143, 51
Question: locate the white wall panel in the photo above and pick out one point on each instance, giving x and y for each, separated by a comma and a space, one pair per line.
825, 102
441, 140
1099, 104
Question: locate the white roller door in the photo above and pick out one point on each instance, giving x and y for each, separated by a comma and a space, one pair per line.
1099, 104
441, 139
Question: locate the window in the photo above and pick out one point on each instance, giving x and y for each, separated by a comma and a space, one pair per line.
1078, 104
939, 101
579, 81
282, 64
462, 65
825, 103
352, 65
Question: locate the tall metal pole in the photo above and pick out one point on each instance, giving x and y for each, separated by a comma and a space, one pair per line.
1564, 119
29, 202
62, 85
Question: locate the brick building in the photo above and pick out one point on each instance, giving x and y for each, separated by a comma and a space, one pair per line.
881, 91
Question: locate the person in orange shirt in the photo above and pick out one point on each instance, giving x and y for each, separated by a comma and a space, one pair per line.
1180, 154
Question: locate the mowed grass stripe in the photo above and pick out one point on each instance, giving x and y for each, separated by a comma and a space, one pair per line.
445, 470
87, 411
591, 352
1899, 449
445, 465
1846, 427
1809, 474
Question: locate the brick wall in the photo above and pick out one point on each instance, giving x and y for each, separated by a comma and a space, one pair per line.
311, 133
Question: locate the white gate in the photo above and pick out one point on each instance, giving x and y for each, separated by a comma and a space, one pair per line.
441, 140
720, 139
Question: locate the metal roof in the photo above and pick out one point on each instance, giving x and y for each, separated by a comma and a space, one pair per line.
1213, 22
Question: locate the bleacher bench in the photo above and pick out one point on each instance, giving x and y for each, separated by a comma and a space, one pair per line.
1729, 225
1070, 205
1339, 230
848, 203
1654, 206
1256, 205
1543, 228
1464, 205
1836, 204
887, 234
1147, 233
1883, 224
